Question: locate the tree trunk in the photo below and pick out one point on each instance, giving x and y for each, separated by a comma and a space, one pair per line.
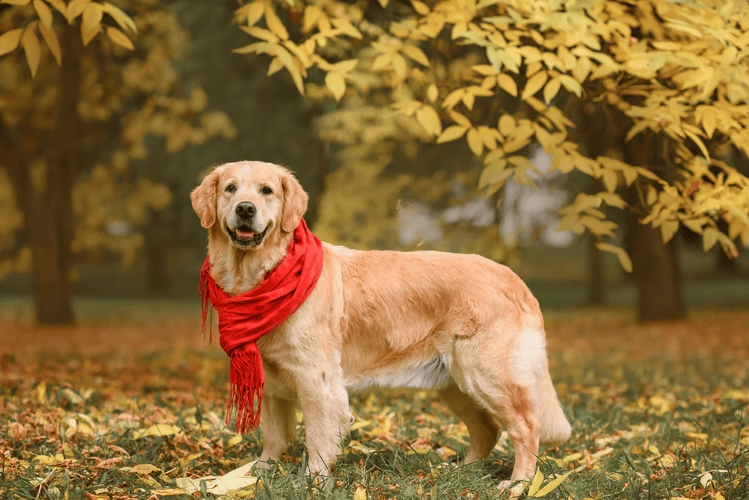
321, 169
655, 264
156, 265
596, 282
656, 272
48, 204
596, 278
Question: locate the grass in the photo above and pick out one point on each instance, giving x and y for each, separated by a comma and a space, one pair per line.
658, 411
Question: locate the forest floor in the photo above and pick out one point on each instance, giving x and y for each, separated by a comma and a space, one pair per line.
130, 404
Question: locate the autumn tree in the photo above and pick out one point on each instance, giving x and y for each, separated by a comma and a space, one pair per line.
647, 97
71, 130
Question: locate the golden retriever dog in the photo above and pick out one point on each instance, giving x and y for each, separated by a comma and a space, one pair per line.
459, 324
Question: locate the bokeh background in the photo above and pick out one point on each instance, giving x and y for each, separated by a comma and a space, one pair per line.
111, 113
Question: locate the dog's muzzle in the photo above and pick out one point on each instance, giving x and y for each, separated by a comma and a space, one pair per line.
243, 235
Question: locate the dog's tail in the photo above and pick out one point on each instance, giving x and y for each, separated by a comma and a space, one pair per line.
553, 425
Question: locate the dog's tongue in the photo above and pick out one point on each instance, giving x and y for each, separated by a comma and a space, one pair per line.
245, 234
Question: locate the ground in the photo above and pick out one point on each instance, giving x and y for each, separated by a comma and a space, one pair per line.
131, 402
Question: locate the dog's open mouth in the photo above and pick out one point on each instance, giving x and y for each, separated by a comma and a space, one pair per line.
245, 237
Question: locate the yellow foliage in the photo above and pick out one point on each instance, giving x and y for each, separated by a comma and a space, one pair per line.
673, 71
110, 204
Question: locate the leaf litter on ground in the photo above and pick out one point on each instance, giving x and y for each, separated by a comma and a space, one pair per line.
658, 411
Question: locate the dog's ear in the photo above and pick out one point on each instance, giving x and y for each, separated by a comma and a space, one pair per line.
294, 202
204, 199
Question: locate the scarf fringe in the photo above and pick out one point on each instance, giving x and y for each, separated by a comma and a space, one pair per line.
247, 381
203, 291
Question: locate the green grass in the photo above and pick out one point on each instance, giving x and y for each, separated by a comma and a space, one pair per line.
654, 408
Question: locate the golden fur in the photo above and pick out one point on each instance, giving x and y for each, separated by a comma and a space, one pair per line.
460, 324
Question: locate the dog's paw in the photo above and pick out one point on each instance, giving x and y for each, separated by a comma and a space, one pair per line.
512, 489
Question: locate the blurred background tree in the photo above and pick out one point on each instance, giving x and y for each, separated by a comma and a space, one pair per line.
647, 98
398, 117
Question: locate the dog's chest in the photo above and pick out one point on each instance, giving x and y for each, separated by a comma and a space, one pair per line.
434, 374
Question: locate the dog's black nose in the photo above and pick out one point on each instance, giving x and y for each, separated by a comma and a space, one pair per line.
246, 210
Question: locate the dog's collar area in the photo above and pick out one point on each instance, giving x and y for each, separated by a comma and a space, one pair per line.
244, 242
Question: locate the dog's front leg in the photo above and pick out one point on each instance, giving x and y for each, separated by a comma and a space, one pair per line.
324, 402
279, 427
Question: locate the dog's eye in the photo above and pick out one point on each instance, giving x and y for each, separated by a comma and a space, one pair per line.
231, 188
266, 190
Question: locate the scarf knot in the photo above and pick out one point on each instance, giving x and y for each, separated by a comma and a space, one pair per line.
244, 318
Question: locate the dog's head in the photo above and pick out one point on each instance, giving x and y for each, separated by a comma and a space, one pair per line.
249, 201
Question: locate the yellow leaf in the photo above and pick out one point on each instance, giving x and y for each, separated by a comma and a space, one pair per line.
475, 142
53, 43
336, 84
416, 54
400, 66
451, 133
551, 485
170, 492
16, 2
345, 66
432, 93
87, 36
468, 100
274, 23
460, 119
624, 259
708, 123
360, 424
44, 12
31, 47
506, 125
250, 12
275, 66
261, 33
312, 15
76, 8
581, 69
551, 89
429, 119
119, 38
516, 144
41, 392
488, 135
534, 84
668, 230
699, 143
119, 16
9, 40
571, 84
420, 7
59, 5
535, 483
383, 3
360, 493
610, 180
145, 469
157, 430
234, 440
494, 174
507, 84
91, 18
709, 238
485, 69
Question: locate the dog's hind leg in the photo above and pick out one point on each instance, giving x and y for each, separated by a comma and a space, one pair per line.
279, 427
503, 381
482, 428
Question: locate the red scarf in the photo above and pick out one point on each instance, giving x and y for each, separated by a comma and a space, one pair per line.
244, 318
